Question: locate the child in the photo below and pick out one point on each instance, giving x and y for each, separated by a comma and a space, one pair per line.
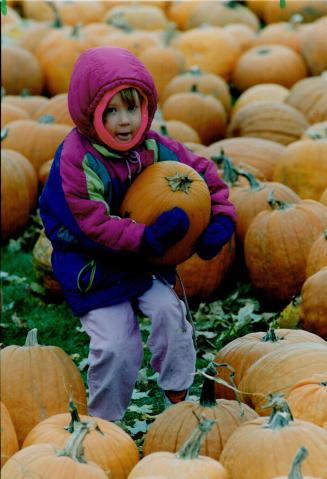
98, 257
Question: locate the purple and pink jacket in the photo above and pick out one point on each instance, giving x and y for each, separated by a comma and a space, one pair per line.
96, 254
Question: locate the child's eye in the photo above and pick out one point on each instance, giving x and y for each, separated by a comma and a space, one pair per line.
110, 110
132, 108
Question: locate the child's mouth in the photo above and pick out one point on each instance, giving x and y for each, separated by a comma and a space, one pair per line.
124, 136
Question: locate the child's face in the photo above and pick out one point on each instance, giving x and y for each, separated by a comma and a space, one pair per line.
121, 119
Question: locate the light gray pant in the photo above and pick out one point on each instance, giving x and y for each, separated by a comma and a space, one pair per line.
116, 351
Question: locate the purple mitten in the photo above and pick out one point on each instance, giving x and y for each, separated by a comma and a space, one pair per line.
217, 233
168, 229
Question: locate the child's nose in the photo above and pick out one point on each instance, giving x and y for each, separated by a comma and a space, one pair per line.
124, 117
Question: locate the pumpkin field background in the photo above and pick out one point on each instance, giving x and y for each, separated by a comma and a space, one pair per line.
243, 83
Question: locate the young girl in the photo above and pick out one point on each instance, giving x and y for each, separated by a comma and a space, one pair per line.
98, 257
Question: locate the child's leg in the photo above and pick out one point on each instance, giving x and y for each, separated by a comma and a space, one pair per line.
115, 356
170, 341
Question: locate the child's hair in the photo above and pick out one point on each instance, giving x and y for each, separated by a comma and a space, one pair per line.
128, 96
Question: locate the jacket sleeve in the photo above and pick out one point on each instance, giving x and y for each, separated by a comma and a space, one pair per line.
207, 168
75, 203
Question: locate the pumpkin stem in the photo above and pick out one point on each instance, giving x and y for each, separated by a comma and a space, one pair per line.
46, 119
281, 414
295, 471
191, 447
194, 88
76, 30
31, 338
4, 133
118, 21
25, 92
195, 70
57, 23
325, 233
323, 383
232, 384
74, 446
295, 20
255, 185
169, 33
271, 335
230, 173
179, 182
208, 394
74, 416
163, 129
277, 204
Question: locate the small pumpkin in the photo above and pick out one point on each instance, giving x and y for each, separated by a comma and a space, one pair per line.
176, 129
57, 108
186, 463
28, 400
9, 442
163, 186
50, 462
308, 399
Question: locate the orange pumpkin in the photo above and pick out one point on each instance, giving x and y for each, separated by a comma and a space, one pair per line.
107, 445
251, 200
174, 425
309, 96
44, 171
269, 120
20, 70
314, 49
138, 17
277, 244
242, 34
9, 443
11, 113
313, 307
200, 46
163, 186
50, 462
56, 107
279, 370
18, 192
176, 129
204, 113
265, 439
186, 463
257, 155
309, 10
317, 257
28, 103
303, 167
201, 279
268, 64
30, 400
37, 140
244, 351
308, 399
281, 33
260, 93
204, 81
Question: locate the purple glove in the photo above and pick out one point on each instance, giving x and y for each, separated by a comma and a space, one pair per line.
216, 234
167, 230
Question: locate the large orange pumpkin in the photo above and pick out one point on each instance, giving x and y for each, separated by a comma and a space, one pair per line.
108, 445
261, 92
277, 244
37, 382
48, 461
279, 370
244, 351
9, 442
270, 120
310, 97
265, 447
163, 186
56, 107
174, 425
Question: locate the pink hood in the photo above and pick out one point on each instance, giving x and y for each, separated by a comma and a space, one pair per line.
98, 70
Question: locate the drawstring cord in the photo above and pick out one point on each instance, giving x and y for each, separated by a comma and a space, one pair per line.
189, 317
133, 159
